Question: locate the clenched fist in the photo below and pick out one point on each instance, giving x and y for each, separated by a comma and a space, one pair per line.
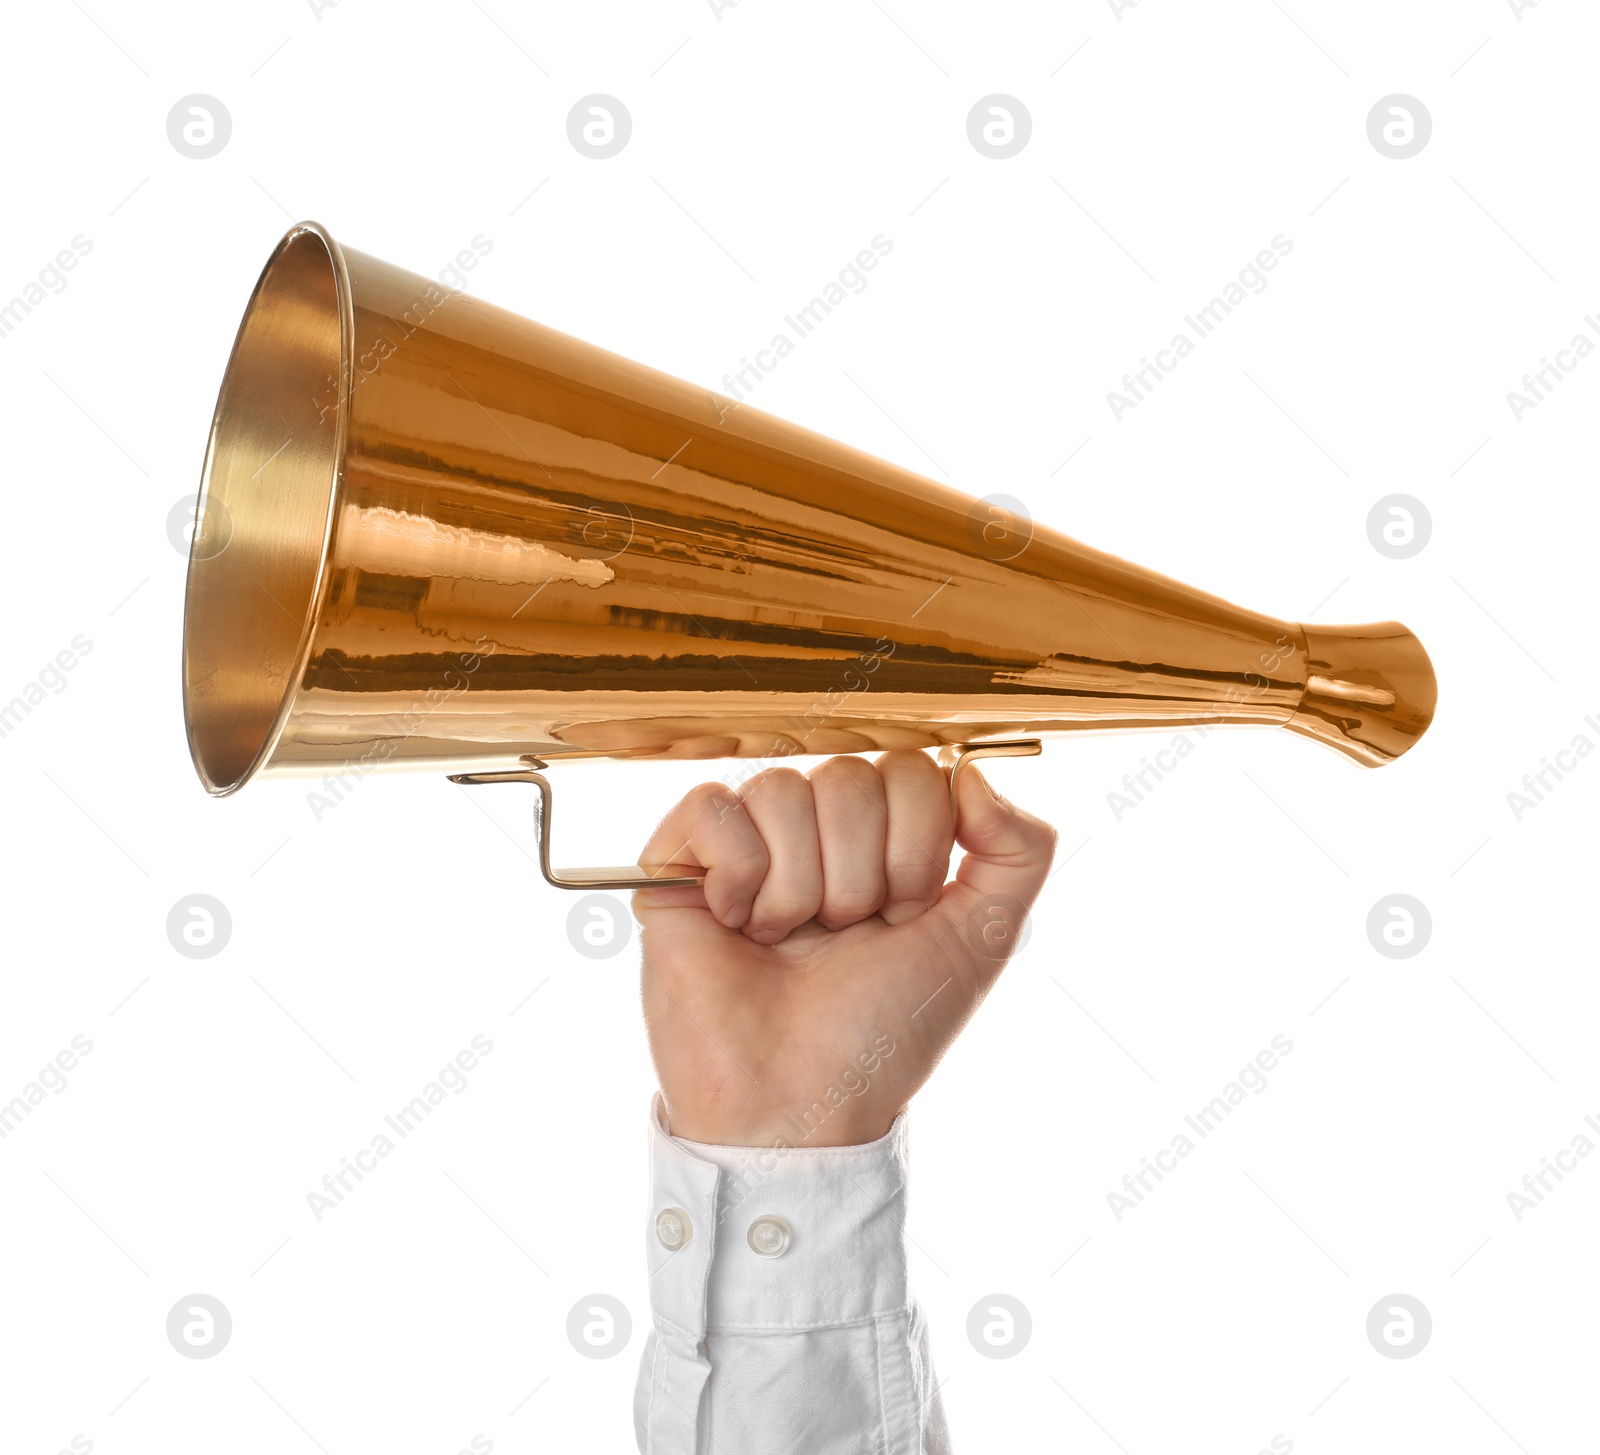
809, 989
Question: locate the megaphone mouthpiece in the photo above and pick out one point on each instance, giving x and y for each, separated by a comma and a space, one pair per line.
1370, 690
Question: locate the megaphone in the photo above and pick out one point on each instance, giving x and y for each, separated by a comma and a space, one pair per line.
432, 534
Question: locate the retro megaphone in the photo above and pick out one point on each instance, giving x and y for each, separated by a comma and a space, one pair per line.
432, 534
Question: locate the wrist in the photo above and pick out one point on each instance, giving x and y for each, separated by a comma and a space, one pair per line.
823, 1122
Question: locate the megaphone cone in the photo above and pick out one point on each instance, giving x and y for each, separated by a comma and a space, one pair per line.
433, 534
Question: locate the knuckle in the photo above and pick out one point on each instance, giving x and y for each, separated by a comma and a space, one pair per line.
909, 764
714, 798
851, 904
784, 783
912, 861
746, 865
785, 910
844, 770
923, 887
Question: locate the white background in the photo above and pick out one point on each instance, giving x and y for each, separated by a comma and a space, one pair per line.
769, 145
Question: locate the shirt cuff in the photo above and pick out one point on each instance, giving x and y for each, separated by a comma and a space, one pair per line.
768, 1239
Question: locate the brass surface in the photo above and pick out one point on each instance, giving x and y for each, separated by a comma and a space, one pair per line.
954, 757
437, 535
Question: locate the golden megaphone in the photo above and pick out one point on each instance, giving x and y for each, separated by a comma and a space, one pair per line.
432, 534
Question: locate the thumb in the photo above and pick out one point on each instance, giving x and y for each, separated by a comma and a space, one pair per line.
1008, 850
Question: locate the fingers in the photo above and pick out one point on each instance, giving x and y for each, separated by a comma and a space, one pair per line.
851, 840
852, 830
780, 806
920, 834
709, 828
1008, 849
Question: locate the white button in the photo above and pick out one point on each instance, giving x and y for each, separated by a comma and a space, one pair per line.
770, 1235
673, 1228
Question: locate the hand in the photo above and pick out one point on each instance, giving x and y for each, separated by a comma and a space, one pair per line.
810, 988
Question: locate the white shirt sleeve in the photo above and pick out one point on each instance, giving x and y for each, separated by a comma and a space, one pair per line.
780, 1317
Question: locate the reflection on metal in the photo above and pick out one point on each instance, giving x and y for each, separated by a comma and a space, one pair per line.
454, 539
956, 757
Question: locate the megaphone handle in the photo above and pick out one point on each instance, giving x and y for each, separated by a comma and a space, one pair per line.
955, 756
952, 758
626, 876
